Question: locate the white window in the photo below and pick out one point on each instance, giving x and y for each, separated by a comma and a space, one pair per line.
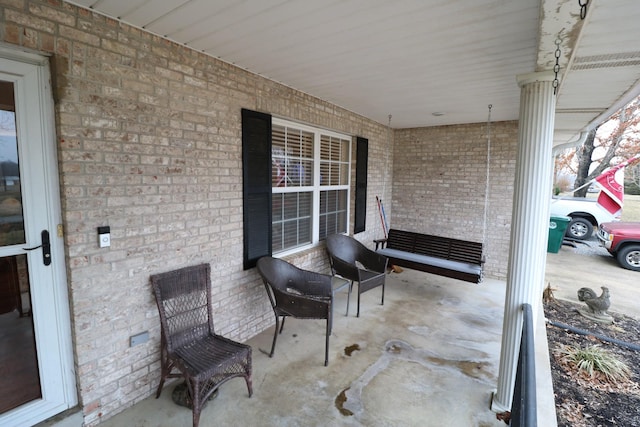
310, 176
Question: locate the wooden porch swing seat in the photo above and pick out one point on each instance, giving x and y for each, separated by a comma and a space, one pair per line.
444, 256
189, 344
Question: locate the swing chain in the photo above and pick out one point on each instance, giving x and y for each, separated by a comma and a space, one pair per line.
487, 184
489, 107
583, 8
556, 68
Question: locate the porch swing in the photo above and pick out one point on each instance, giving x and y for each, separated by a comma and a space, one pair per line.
455, 258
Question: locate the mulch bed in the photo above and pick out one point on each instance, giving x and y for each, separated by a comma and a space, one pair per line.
580, 399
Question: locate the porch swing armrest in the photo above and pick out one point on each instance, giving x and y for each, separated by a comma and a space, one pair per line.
379, 242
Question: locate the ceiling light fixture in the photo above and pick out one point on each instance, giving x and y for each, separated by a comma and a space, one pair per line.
437, 113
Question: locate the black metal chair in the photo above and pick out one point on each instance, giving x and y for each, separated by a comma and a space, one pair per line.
355, 262
297, 293
189, 344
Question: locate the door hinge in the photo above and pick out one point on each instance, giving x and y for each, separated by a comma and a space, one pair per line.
60, 230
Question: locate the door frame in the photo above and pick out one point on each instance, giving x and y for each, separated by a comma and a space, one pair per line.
58, 389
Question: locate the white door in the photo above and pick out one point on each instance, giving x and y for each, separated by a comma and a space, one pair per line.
36, 362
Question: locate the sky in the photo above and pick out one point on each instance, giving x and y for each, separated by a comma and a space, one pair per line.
8, 144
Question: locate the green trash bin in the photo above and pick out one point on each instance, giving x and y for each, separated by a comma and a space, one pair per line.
557, 228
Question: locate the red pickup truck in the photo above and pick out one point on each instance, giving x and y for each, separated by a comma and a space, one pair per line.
622, 240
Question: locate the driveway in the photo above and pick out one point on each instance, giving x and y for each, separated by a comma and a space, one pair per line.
592, 266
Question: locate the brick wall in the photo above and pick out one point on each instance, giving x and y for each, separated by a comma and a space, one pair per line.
441, 186
148, 140
148, 136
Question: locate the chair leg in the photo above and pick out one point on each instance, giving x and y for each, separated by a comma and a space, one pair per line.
247, 379
382, 301
326, 344
165, 370
282, 324
248, 371
358, 313
275, 335
160, 387
349, 297
331, 319
196, 418
195, 402
163, 376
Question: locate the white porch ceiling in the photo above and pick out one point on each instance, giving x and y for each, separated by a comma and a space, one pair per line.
413, 58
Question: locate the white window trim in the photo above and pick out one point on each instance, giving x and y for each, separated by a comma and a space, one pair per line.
316, 188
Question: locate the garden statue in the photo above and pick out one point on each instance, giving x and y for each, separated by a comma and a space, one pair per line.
597, 306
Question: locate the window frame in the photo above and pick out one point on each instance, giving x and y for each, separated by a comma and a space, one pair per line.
315, 188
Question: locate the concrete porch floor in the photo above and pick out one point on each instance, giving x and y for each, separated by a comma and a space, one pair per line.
428, 357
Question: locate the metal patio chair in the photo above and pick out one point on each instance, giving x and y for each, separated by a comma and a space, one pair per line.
297, 293
353, 261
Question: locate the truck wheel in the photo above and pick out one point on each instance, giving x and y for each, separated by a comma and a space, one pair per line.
629, 257
579, 229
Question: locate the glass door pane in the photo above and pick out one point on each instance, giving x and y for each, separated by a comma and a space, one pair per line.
19, 378
11, 220
19, 374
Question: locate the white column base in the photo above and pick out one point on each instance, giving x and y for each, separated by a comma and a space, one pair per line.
497, 407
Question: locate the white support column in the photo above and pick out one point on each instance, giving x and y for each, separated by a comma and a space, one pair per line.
530, 222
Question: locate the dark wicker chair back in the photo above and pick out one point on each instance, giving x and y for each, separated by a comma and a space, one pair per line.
185, 305
188, 343
298, 293
354, 261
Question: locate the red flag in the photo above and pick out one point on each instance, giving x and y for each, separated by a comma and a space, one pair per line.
611, 183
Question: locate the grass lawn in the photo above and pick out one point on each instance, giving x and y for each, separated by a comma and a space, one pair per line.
631, 208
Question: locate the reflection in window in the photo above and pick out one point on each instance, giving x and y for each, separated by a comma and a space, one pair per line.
333, 212
11, 219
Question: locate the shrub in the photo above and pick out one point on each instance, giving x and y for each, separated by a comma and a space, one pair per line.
593, 358
561, 185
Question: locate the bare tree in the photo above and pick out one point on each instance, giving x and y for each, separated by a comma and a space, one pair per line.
608, 144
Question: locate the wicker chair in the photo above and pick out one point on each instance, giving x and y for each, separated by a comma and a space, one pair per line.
355, 262
298, 293
188, 343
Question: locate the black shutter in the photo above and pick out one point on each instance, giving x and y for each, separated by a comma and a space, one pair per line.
362, 155
256, 186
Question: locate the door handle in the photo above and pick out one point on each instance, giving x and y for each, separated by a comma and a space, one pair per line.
46, 247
